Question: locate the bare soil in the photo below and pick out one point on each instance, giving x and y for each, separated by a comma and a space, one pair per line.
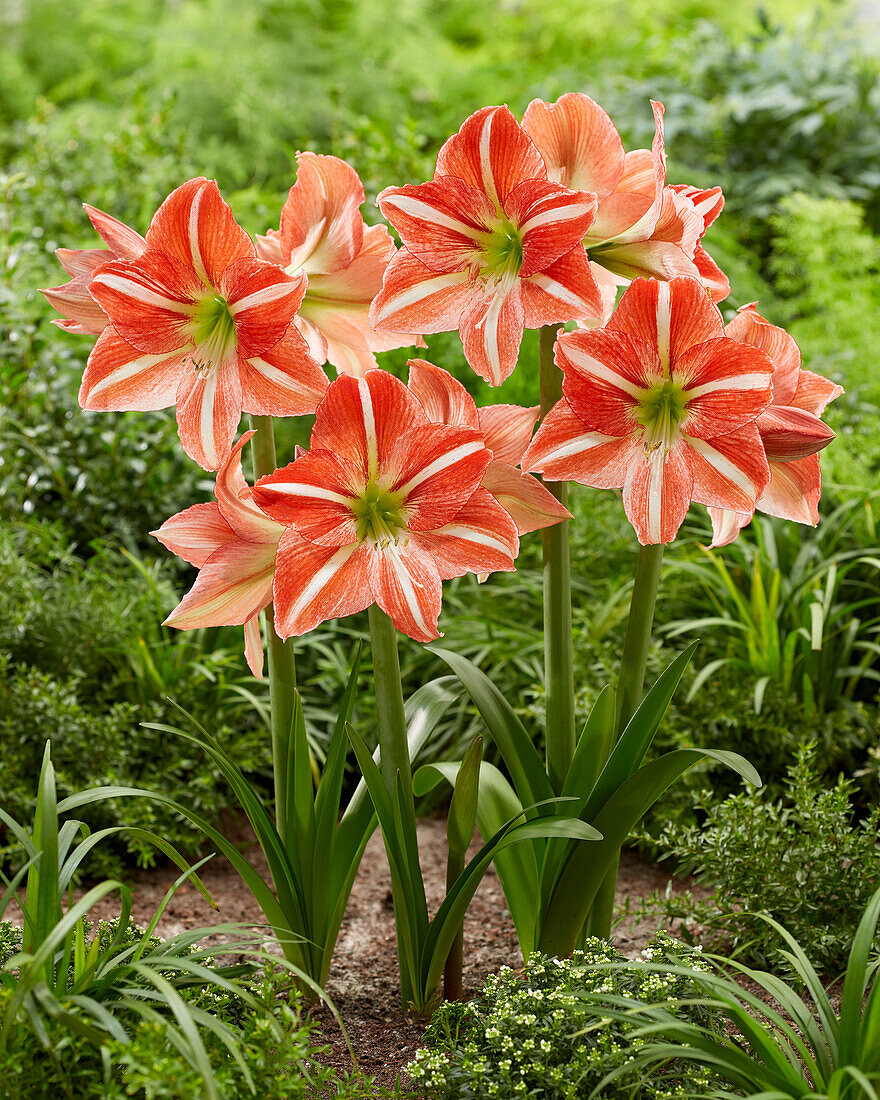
363, 977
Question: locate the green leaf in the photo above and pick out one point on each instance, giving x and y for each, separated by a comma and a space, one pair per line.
462, 814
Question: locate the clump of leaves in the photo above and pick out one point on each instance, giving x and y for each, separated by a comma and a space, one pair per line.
801, 859
537, 1033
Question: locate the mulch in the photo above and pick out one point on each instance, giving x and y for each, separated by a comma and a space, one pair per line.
363, 977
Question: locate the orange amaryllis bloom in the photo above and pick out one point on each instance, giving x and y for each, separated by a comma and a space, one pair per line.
661, 404
232, 544
323, 236
791, 430
506, 431
382, 507
491, 246
82, 313
198, 321
642, 227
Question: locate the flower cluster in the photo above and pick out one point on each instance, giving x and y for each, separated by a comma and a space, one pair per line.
524, 225
542, 1031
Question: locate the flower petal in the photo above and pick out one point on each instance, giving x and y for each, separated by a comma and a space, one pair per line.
726, 525
119, 378
631, 213
794, 490
315, 494
414, 298
751, 328
196, 227
361, 419
262, 300
565, 449
605, 375
727, 385
708, 202
814, 392
711, 275
253, 646
507, 430
236, 500
658, 493
445, 222
670, 316
317, 583
208, 412
551, 220
195, 533
436, 472
790, 433
80, 311
578, 141
730, 471
523, 497
444, 398
233, 584
407, 587
123, 241
321, 226
491, 330
565, 291
492, 153
283, 381
151, 301
481, 538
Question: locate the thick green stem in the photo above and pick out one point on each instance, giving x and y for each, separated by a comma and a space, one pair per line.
638, 633
282, 664
393, 748
453, 988
558, 646
630, 689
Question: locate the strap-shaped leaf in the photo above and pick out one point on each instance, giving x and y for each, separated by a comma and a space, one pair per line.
462, 816
526, 768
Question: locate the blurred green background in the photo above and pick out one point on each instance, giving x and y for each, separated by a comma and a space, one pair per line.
115, 102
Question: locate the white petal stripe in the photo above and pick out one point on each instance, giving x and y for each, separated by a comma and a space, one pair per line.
607, 374
425, 212
724, 466
206, 419
415, 294
141, 293
731, 382
392, 557
261, 297
324, 574
469, 534
559, 214
274, 374
664, 322
130, 369
193, 231
464, 450
586, 442
303, 489
557, 290
369, 428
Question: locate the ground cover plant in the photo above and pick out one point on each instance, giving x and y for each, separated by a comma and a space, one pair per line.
377, 481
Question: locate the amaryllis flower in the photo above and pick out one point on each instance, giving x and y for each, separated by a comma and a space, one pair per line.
382, 507
506, 431
661, 404
642, 227
198, 321
82, 313
232, 544
791, 429
323, 236
491, 246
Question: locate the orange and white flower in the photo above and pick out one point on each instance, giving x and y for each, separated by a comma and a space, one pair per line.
506, 431
199, 322
791, 430
82, 314
382, 507
661, 404
491, 246
232, 543
323, 235
642, 226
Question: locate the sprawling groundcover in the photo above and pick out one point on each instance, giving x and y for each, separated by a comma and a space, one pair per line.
274, 494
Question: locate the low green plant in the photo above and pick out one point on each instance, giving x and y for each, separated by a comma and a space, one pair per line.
780, 1042
536, 1033
793, 609
802, 858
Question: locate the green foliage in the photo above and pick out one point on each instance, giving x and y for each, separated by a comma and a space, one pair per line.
536, 1033
781, 1042
801, 858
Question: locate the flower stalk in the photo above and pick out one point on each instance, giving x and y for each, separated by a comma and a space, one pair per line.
558, 647
282, 662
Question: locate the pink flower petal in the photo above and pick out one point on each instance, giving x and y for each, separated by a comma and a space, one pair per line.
523, 497
321, 225
578, 141
195, 533
491, 331
658, 493
208, 412
507, 430
481, 538
730, 471
119, 378
565, 449
444, 398
283, 381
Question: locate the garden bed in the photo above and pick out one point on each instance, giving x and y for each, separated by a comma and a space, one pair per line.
363, 978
